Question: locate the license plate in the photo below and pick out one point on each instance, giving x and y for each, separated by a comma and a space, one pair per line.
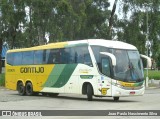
132, 92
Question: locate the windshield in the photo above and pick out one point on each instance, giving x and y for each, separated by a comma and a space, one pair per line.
128, 67
128, 63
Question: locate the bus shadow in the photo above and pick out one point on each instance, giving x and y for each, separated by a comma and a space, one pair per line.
95, 99
104, 99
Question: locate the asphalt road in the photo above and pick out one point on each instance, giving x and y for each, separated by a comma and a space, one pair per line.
10, 100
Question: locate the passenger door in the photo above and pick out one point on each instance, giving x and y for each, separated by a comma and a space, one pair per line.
105, 79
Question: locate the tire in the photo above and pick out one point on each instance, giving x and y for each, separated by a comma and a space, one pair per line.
89, 92
116, 98
29, 89
21, 89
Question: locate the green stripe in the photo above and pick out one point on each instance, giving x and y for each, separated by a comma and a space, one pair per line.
60, 75
55, 73
65, 75
138, 84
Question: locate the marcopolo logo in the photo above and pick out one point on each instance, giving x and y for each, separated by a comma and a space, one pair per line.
32, 69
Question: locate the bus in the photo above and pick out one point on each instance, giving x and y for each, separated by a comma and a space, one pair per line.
92, 67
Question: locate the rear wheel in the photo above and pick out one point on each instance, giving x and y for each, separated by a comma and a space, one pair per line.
29, 89
116, 98
21, 89
89, 92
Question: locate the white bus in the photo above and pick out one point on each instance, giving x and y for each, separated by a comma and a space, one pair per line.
93, 67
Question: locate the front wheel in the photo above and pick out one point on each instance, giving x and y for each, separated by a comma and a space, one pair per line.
29, 89
89, 92
21, 89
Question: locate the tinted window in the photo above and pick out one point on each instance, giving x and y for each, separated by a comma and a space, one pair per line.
46, 56
10, 58
53, 56
96, 51
14, 58
67, 55
17, 58
106, 66
38, 57
28, 58
82, 55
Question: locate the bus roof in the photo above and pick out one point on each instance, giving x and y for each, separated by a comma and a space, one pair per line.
112, 44
99, 42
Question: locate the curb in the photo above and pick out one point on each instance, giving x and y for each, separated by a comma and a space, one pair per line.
148, 88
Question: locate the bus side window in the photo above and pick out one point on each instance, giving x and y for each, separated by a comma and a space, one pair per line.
82, 55
87, 59
38, 57
44, 56
28, 58
10, 58
50, 57
17, 58
54, 56
66, 56
72, 55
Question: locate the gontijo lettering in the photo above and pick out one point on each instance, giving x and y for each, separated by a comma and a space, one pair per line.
32, 69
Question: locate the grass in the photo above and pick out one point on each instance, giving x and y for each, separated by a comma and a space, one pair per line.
2, 79
152, 74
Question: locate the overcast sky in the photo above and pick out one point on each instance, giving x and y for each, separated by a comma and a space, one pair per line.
111, 3
119, 13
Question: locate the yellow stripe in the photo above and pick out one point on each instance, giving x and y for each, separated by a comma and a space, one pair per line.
48, 46
126, 84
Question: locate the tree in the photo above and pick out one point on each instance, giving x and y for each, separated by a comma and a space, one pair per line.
111, 18
13, 16
0, 55
133, 28
27, 22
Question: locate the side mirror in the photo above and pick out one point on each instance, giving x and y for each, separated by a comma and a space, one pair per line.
149, 63
113, 58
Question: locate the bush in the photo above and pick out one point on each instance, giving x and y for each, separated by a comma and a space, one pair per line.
152, 74
158, 62
2, 79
